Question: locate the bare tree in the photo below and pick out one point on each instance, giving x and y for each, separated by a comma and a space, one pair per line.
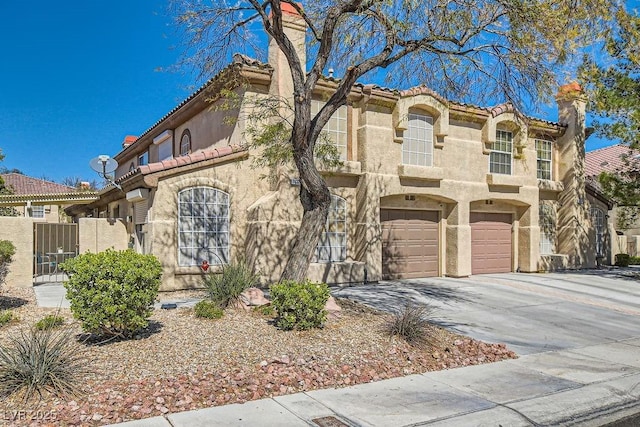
493, 50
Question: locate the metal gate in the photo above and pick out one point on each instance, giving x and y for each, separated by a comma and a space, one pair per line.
52, 245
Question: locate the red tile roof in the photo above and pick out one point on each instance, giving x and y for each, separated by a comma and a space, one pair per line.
607, 159
22, 184
195, 157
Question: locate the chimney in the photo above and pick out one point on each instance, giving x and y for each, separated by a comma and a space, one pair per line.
128, 140
573, 211
295, 29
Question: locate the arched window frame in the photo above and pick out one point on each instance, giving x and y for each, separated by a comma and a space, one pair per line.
203, 226
417, 139
185, 143
332, 246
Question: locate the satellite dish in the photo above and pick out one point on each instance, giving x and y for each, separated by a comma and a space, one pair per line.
103, 164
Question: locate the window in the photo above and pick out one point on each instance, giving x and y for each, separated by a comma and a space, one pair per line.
417, 144
203, 226
143, 158
37, 211
333, 241
501, 150
336, 127
544, 150
547, 223
165, 150
185, 143
598, 221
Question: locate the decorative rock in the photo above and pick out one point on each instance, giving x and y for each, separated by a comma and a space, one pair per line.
253, 297
332, 307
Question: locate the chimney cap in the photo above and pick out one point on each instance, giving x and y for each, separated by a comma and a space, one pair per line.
288, 8
569, 89
128, 140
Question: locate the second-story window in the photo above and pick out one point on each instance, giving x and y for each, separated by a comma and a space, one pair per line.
143, 158
336, 127
417, 144
501, 153
165, 150
544, 154
185, 143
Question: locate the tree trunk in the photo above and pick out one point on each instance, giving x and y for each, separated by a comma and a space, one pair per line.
315, 199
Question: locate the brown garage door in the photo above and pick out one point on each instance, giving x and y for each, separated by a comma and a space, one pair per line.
490, 243
409, 243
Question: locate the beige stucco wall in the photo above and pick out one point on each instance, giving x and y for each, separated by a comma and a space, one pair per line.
99, 234
265, 216
19, 231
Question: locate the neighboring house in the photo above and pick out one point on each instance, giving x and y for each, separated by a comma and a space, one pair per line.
613, 159
39, 199
429, 187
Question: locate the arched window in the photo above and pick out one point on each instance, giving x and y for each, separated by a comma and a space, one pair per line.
417, 143
599, 226
203, 226
333, 241
547, 222
185, 143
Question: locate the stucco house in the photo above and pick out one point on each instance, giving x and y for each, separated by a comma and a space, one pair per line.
429, 187
40, 199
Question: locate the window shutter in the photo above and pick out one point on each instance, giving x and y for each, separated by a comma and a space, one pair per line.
140, 212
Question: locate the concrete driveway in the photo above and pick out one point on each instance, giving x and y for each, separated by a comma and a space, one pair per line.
531, 313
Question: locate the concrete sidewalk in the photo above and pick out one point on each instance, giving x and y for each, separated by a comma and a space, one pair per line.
578, 335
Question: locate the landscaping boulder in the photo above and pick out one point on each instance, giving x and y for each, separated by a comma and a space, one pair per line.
253, 297
332, 307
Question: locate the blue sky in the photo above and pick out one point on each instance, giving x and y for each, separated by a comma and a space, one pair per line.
77, 76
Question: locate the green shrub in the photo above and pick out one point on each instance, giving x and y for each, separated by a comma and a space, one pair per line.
623, 260
300, 305
634, 260
225, 288
6, 317
265, 310
412, 324
49, 321
7, 250
208, 309
34, 362
112, 292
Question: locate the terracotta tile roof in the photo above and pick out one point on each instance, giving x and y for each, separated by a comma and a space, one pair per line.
607, 159
22, 184
189, 159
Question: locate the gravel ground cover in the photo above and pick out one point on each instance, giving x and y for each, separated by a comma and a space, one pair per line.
181, 362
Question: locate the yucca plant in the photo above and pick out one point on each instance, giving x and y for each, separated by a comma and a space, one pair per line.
412, 323
35, 363
225, 288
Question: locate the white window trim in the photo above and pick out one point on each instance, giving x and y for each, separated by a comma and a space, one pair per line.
219, 254
509, 153
186, 136
549, 161
410, 136
337, 210
332, 127
598, 220
144, 156
38, 209
547, 241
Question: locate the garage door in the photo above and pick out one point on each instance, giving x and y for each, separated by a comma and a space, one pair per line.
409, 243
490, 243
